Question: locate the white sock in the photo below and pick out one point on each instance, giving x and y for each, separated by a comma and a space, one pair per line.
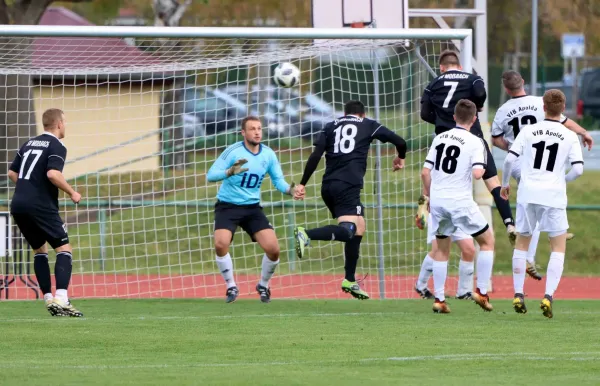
426, 271
519, 267
485, 264
62, 295
48, 296
465, 277
226, 268
554, 272
535, 239
440, 271
268, 269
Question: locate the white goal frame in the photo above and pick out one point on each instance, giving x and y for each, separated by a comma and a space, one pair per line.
463, 36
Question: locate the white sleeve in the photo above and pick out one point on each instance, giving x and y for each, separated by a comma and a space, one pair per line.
479, 155
507, 168
517, 146
497, 130
563, 118
430, 159
575, 154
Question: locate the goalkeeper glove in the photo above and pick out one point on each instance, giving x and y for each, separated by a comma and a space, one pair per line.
236, 168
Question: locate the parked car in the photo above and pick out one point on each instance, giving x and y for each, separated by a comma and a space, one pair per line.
303, 115
588, 103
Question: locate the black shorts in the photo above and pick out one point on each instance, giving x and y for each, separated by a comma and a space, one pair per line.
342, 199
490, 168
40, 228
250, 218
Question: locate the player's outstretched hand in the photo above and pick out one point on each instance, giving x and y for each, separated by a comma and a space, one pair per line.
398, 163
505, 192
298, 191
236, 168
588, 141
76, 197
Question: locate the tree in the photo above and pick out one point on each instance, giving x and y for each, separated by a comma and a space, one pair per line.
17, 114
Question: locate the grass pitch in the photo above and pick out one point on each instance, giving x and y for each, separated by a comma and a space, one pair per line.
196, 342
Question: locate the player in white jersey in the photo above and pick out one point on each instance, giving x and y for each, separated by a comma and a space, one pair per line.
521, 110
544, 147
454, 159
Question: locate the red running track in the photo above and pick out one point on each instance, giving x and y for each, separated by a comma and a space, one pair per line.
287, 286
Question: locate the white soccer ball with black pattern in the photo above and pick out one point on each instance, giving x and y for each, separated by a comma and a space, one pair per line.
286, 75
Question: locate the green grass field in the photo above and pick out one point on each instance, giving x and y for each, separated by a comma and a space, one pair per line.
196, 342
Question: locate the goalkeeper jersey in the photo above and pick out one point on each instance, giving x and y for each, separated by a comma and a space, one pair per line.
244, 188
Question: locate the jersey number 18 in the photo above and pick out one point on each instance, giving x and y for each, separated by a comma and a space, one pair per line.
344, 138
450, 161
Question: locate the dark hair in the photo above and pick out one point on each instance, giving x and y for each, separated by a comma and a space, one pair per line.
449, 58
512, 80
354, 107
464, 111
554, 101
249, 118
51, 117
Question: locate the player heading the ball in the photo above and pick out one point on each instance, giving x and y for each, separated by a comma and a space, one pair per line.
37, 173
454, 159
544, 147
345, 142
242, 167
437, 107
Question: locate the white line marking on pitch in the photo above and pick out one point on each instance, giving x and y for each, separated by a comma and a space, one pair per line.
572, 356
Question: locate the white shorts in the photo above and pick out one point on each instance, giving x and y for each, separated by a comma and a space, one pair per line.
470, 220
456, 236
547, 219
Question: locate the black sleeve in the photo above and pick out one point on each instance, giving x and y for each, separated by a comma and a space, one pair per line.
57, 155
427, 108
315, 157
478, 92
16, 164
385, 135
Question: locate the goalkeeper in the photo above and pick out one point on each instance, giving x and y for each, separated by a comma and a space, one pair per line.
242, 168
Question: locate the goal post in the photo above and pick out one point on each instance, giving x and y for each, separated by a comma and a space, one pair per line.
146, 122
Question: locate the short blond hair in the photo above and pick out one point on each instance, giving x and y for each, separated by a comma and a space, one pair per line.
554, 101
51, 117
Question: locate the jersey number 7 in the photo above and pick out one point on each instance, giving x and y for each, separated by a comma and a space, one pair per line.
452, 86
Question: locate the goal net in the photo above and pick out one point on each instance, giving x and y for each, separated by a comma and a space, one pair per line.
147, 117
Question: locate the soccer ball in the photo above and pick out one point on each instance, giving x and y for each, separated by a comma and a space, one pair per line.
286, 75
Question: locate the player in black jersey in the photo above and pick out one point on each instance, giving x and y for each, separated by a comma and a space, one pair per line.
437, 107
345, 142
37, 173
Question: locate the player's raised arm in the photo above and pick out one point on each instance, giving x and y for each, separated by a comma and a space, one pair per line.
588, 141
314, 158
385, 135
225, 167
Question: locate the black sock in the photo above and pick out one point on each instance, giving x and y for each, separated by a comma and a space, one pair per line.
62, 270
351, 251
42, 272
329, 232
503, 207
